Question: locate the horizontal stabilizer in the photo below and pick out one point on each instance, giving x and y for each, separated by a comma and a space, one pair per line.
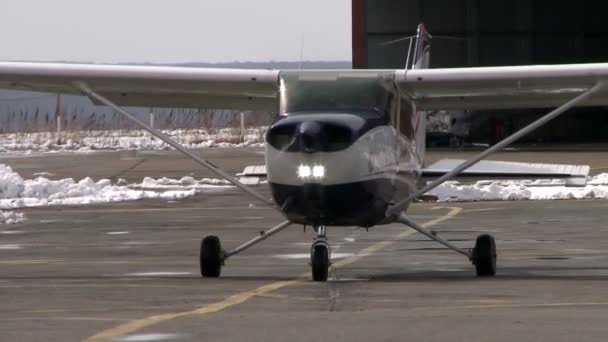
252, 175
574, 175
253, 171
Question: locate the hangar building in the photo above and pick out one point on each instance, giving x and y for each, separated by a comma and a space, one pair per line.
492, 33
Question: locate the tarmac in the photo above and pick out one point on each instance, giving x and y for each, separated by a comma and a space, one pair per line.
129, 271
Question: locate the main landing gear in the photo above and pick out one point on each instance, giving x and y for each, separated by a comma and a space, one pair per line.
212, 255
483, 255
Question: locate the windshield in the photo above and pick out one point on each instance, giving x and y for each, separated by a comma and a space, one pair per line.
311, 91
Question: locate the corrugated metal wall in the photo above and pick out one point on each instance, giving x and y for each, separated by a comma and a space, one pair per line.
485, 32
492, 33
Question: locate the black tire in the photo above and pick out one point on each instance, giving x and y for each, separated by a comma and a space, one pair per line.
211, 257
484, 256
320, 262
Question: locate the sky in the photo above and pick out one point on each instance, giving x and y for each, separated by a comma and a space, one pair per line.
173, 31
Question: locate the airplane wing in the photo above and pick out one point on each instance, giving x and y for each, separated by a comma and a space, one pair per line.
150, 86
458, 88
573, 175
536, 86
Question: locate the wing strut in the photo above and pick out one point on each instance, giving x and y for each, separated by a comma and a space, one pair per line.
398, 207
92, 94
263, 236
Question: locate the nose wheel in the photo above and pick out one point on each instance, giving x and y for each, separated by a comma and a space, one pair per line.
320, 256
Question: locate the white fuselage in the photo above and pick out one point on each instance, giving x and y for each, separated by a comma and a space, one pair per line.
357, 184
343, 148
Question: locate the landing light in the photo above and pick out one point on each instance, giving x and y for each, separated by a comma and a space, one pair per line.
318, 171
304, 171
307, 171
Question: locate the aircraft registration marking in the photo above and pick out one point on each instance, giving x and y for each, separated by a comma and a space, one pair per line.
239, 298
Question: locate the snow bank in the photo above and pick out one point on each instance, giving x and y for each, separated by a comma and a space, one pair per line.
88, 141
11, 184
597, 187
188, 182
15, 192
10, 217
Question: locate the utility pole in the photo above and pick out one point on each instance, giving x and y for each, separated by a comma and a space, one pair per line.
242, 127
58, 118
151, 122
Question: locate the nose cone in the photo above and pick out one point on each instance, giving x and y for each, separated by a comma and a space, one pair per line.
311, 133
310, 136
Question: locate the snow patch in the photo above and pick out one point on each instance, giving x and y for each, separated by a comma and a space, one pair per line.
91, 141
11, 184
11, 232
39, 174
148, 337
11, 217
453, 191
16, 192
10, 247
157, 274
189, 182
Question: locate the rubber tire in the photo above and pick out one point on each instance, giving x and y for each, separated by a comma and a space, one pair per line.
320, 262
210, 257
484, 256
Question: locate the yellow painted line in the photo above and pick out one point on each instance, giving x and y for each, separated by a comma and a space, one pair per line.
239, 298
129, 327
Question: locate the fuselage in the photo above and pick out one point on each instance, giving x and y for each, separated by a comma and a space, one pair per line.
351, 149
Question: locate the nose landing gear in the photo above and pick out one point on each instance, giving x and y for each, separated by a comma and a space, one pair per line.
320, 255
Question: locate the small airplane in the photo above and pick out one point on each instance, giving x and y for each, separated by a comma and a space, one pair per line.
346, 147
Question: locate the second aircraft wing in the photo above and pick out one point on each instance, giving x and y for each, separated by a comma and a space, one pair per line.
535, 86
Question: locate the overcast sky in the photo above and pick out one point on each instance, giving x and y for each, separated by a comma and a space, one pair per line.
169, 31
